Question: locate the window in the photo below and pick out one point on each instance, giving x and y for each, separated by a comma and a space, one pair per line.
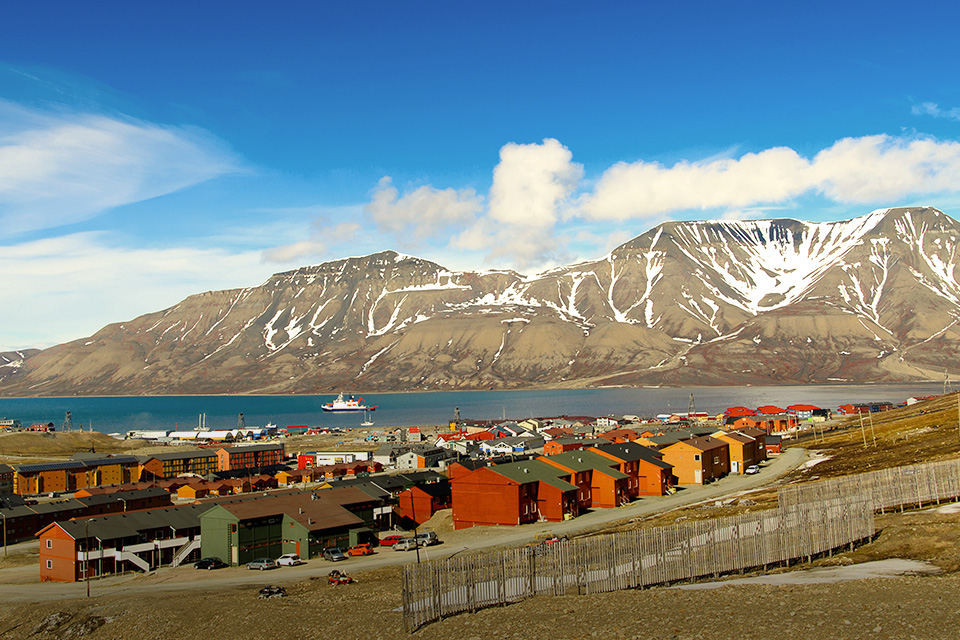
716, 460
696, 456
49, 564
49, 545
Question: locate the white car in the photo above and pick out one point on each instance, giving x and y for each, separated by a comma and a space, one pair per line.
753, 469
289, 560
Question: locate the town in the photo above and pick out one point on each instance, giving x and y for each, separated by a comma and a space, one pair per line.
241, 495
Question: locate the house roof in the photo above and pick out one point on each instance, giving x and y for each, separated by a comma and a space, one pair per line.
134, 494
703, 443
315, 511
586, 461
533, 471
49, 466
244, 448
740, 438
125, 525
631, 451
92, 459
183, 455
435, 489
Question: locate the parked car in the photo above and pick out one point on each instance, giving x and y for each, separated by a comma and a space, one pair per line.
334, 554
209, 563
753, 469
289, 560
427, 538
392, 539
361, 550
406, 544
262, 563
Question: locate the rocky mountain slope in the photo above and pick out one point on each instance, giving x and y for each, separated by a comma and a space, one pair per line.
875, 298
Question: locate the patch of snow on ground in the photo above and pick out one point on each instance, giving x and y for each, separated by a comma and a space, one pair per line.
816, 459
823, 575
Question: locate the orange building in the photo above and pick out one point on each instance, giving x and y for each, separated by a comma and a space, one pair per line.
252, 457
649, 474
561, 445
698, 460
744, 450
600, 484
29, 479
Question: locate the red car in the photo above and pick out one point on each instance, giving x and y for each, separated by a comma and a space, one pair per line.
390, 540
360, 550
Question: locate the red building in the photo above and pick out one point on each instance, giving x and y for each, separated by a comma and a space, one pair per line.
418, 503
511, 494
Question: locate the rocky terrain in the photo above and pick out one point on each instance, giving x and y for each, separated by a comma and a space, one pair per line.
875, 298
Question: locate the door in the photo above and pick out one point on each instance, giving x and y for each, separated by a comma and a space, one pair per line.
698, 476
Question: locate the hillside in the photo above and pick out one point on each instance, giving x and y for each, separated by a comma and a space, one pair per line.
871, 299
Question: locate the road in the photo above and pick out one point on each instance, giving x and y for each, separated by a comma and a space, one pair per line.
21, 584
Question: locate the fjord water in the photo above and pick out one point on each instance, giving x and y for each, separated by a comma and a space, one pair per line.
122, 414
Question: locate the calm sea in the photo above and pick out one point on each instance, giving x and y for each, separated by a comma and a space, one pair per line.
110, 415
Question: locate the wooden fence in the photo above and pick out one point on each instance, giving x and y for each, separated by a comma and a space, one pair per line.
436, 589
917, 484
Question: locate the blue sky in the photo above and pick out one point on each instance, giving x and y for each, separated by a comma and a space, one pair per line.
149, 151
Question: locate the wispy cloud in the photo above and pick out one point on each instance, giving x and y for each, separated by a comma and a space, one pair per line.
87, 278
59, 168
934, 110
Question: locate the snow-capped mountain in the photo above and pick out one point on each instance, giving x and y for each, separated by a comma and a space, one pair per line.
724, 302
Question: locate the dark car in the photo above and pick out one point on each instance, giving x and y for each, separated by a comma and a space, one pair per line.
334, 554
210, 563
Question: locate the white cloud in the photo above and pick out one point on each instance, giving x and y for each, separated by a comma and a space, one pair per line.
531, 186
71, 286
868, 170
423, 213
933, 109
61, 168
883, 169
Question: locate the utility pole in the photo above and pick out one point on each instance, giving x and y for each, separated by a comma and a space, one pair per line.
86, 542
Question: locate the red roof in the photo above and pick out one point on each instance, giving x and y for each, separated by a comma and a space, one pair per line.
770, 409
802, 407
737, 412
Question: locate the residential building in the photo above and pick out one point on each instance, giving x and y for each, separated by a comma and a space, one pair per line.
84, 548
191, 462
304, 523
649, 474
600, 484
744, 450
698, 460
511, 494
254, 457
6, 480
417, 504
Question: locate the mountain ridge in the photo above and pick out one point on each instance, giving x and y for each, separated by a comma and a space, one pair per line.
874, 298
